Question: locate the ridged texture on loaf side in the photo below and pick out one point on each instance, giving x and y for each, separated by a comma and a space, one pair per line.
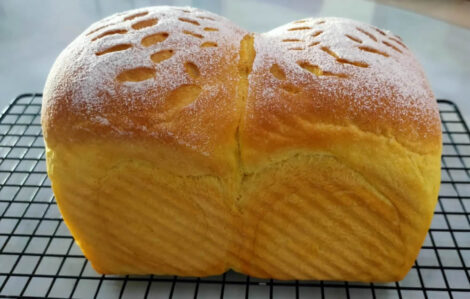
335, 212
129, 216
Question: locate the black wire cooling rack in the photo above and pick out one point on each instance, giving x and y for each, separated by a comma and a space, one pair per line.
38, 256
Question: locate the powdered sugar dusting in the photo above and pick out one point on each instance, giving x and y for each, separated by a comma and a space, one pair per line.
112, 46
343, 57
355, 69
169, 72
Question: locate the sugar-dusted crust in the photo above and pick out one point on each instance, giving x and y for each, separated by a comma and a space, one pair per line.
178, 143
159, 74
340, 72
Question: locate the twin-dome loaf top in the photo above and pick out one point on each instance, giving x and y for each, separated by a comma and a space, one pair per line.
153, 63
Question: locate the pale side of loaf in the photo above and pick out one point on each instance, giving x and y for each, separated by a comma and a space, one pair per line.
178, 143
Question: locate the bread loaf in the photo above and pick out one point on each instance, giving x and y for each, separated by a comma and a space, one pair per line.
178, 143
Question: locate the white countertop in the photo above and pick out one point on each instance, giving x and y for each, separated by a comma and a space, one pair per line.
32, 34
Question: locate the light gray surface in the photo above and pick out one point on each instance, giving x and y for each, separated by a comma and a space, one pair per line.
32, 34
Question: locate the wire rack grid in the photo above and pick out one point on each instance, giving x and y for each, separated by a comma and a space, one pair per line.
39, 258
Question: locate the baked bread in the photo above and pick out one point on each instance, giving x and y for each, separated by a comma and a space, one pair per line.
178, 143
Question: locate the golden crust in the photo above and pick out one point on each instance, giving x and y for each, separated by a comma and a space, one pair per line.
88, 97
333, 81
308, 152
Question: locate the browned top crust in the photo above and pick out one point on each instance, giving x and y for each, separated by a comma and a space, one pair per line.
182, 77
